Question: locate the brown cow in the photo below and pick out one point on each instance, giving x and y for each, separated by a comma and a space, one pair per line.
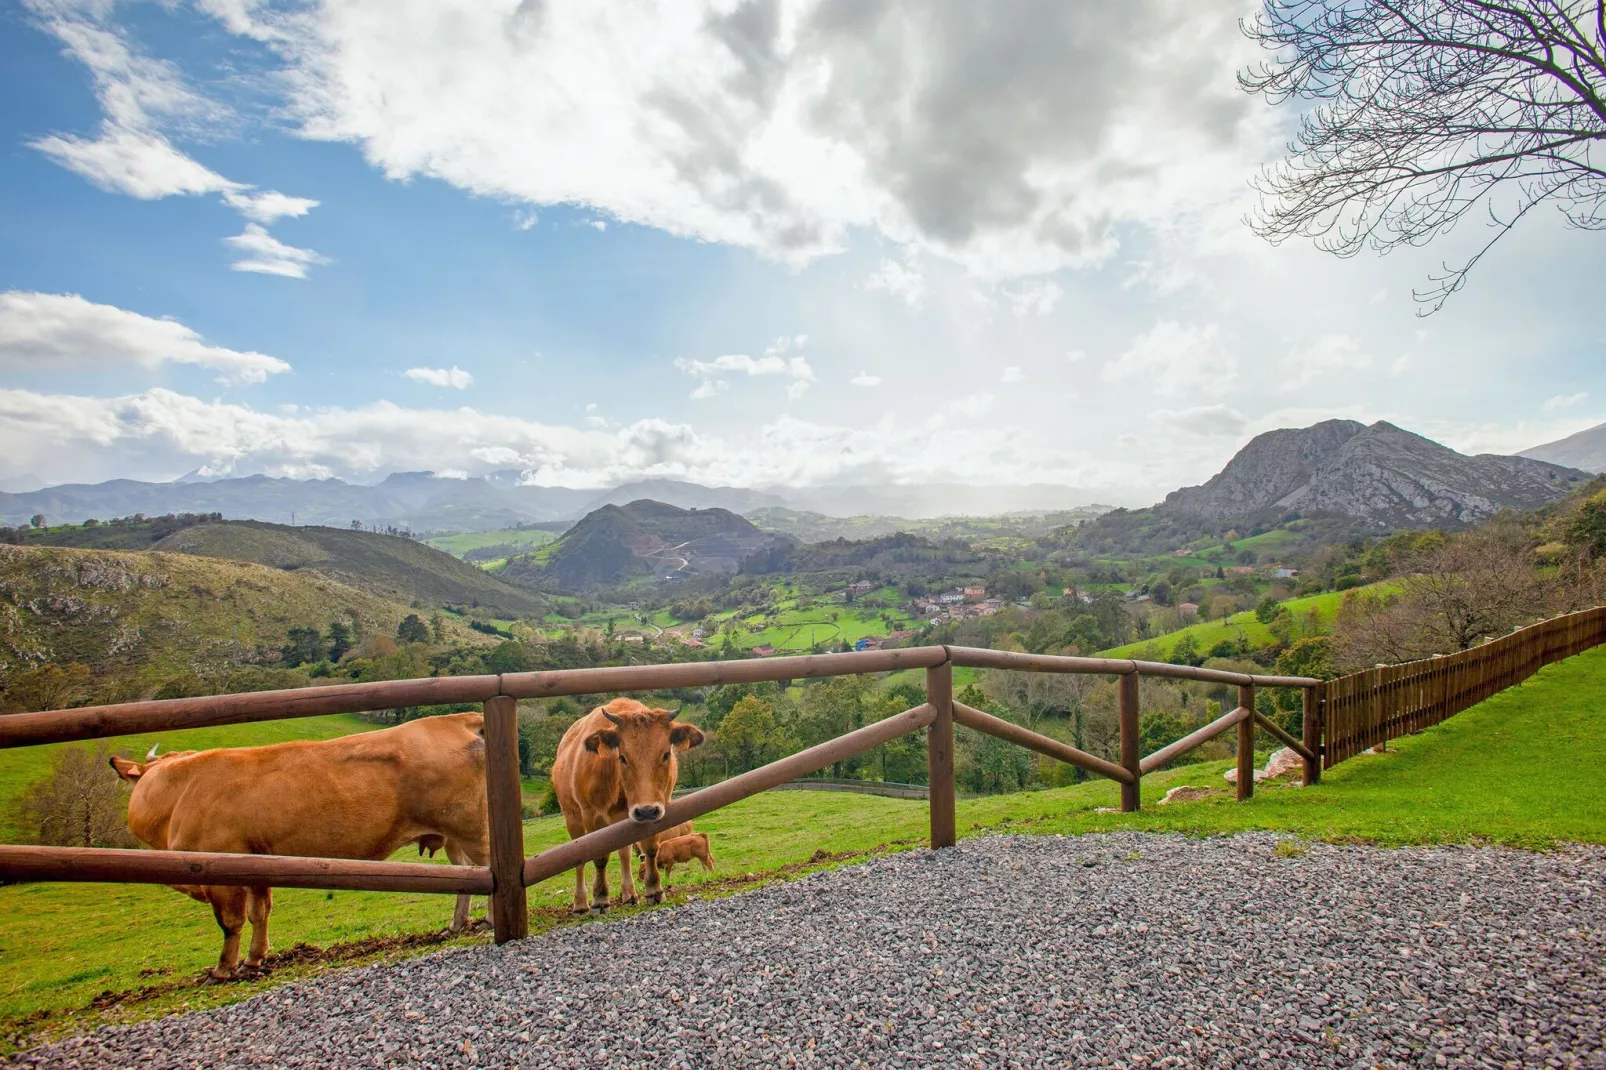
617, 762
361, 796
677, 851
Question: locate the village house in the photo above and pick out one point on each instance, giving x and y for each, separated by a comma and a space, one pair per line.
763, 650
1189, 609
974, 593
869, 642
694, 642
949, 598
1283, 572
861, 587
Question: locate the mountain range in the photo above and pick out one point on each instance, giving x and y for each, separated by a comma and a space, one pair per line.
426, 503
1382, 474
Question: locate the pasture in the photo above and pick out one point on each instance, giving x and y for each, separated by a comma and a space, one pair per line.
1517, 770
523, 538
1239, 626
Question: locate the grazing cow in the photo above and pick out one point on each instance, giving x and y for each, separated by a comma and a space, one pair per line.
617, 762
361, 796
679, 850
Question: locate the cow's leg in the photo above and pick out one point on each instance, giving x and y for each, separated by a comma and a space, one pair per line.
228, 907
599, 887
627, 880
457, 855
259, 904
652, 886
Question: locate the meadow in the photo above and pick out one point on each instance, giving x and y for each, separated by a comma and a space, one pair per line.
1238, 627
461, 543
72, 956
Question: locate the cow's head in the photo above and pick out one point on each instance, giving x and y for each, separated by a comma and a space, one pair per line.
132, 771
645, 742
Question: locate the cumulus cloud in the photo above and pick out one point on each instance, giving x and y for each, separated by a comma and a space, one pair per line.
267, 255
899, 281
783, 357
865, 379
1328, 354
1202, 420
1013, 146
453, 377
58, 332
1566, 401
1176, 359
143, 99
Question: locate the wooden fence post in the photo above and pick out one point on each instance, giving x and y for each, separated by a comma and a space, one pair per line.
1246, 744
509, 907
1131, 794
1312, 732
940, 753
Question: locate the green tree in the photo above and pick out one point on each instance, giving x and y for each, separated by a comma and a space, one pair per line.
1186, 651
749, 734
37, 520
1587, 527
46, 687
437, 627
339, 640
412, 630
303, 646
834, 707
1266, 609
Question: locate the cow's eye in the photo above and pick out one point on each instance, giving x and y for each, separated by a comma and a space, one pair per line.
623, 760
665, 758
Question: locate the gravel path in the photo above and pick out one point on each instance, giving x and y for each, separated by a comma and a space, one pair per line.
1131, 949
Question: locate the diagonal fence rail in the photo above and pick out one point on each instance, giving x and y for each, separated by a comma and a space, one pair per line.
1338, 716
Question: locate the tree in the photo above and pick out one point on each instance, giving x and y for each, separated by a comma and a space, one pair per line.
833, 707
47, 687
1266, 609
79, 803
437, 627
1587, 526
37, 520
412, 630
1426, 110
303, 646
339, 640
749, 733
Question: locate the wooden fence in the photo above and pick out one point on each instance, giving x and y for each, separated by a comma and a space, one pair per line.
1370, 707
1349, 710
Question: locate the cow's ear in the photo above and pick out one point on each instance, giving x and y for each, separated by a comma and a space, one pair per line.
605, 738
128, 770
685, 736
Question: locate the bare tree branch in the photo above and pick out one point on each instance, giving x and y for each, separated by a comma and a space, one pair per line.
1426, 109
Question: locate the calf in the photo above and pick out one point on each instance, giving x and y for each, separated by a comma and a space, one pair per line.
678, 851
361, 796
619, 761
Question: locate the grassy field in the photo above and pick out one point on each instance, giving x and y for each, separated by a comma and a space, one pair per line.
462, 543
1238, 626
73, 956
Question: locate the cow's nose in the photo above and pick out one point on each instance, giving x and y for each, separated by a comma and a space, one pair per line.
646, 812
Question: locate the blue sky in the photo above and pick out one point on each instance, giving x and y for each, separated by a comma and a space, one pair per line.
751, 243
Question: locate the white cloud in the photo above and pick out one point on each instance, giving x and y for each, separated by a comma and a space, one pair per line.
135, 162
1566, 401
899, 281
1034, 297
1012, 146
268, 206
865, 379
523, 220
775, 361
597, 224
1202, 420
1328, 354
59, 332
1176, 360
453, 377
1012, 374
269, 256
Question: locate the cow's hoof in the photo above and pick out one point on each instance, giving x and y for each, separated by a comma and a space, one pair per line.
599, 908
579, 910
655, 897
627, 901
221, 973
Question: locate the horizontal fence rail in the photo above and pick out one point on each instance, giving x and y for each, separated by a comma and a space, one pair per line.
1340, 718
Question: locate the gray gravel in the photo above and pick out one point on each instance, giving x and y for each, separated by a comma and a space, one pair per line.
1125, 949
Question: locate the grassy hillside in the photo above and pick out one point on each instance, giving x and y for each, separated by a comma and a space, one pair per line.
396, 568
168, 612
1240, 625
506, 542
76, 955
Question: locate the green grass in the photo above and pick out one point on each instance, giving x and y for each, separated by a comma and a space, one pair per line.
1238, 626
460, 544
1519, 769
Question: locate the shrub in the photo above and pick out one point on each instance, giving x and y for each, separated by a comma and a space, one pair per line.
79, 803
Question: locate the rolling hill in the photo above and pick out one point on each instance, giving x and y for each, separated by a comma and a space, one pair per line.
1586, 450
394, 568
617, 543
169, 612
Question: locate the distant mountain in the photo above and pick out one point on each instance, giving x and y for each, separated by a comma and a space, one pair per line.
916, 500
685, 496
1586, 450
616, 543
391, 567
1382, 474
809, 527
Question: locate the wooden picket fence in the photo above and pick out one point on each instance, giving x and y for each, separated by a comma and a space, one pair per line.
1368, 708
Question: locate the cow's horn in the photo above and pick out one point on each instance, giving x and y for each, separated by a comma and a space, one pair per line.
152, 755
611, 717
